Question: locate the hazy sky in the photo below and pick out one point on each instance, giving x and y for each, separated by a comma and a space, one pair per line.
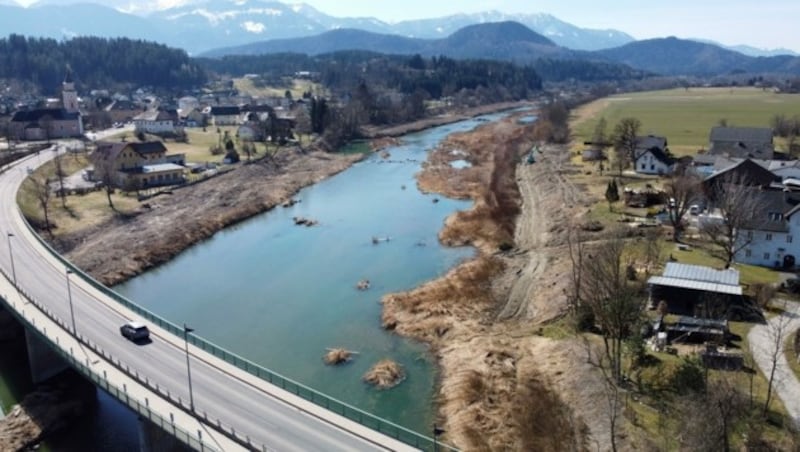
765, 23
760, 23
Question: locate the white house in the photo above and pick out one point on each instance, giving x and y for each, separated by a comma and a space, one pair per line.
773, 240
653, 161
651, 155
156, 121
225, 116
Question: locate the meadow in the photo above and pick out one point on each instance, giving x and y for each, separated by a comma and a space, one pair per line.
686, 116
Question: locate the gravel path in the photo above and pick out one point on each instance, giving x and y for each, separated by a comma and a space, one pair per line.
787, 385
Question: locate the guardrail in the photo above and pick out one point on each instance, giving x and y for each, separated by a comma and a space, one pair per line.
142, 409
346, 410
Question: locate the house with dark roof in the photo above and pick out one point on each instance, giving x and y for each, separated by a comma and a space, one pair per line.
225, 115
652, 155
137, 165
742, 142
768, 239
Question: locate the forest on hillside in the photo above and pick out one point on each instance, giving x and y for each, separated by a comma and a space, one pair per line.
343, 71
97, 63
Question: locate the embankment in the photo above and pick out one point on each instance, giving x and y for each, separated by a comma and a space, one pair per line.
494, 393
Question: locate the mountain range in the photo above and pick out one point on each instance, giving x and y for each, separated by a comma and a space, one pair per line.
201, 25
513, 41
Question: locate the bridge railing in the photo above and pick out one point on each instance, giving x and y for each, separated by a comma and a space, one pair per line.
139, 407
344, 409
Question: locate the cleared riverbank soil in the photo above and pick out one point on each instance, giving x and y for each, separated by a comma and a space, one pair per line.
504, 386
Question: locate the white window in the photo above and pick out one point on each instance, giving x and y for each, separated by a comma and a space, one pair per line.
766, 256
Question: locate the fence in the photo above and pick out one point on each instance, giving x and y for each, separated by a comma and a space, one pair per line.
348, 411
140, 408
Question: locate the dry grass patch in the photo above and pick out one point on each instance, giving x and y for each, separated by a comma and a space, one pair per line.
385, 374
336, 356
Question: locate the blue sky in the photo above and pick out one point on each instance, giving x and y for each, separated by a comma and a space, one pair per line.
765, 24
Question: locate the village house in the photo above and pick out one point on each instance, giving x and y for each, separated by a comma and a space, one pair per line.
742, 142
160, 121
136, 165
652, 155
47, 123
225, 116
769, 239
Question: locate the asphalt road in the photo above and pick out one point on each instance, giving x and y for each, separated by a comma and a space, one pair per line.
218, 391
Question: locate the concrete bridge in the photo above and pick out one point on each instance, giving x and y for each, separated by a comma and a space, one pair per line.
183, 387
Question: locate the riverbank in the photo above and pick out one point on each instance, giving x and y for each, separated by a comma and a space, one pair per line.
499, 375
123, 247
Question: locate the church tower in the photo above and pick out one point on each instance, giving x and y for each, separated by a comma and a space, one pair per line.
69, 96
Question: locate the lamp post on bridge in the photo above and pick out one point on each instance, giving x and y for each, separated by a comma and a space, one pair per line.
69, 297
11, 256
186, 331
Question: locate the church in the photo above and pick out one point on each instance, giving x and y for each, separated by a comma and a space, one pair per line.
50, 123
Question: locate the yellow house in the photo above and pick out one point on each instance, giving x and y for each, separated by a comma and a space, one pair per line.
137, 165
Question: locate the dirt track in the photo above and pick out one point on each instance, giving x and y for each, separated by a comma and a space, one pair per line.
482, 317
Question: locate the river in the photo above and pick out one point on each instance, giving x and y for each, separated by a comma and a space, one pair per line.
280, 294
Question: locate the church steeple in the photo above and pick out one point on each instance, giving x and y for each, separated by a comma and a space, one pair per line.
69, 96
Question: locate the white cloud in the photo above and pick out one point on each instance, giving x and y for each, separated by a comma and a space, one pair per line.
253, 27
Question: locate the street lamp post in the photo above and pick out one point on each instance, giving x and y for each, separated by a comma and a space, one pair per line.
69, 297
11, 256
186, 331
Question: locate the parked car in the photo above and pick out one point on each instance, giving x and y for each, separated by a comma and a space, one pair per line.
135, 331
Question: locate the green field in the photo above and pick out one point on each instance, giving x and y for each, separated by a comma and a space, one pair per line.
686, 117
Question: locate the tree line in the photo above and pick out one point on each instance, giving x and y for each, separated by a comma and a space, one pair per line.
97, 62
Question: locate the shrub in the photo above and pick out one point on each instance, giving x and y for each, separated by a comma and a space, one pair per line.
689, 377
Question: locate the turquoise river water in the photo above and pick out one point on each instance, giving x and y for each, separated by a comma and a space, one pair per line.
280, 294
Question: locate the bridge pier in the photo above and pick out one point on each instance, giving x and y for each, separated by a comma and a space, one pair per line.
9, 327
153, 439
44, 362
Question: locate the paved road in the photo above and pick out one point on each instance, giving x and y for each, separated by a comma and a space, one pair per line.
760, 337
266, 414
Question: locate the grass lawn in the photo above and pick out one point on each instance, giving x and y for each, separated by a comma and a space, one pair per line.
197, 149
698, 255
686, 117
81, 211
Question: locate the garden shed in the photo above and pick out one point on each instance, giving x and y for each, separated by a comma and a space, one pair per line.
696, 290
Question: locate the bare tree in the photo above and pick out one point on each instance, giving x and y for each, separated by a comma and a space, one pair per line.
777, 329
683, 190
106, 172
652, 249
577, 251
60, 175
624, 139
612, 298
707, 419
737, 201
612, 393
41, 190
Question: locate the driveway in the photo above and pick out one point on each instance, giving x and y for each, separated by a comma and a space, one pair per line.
786, 385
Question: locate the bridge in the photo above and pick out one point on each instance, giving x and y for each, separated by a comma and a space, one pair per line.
183, 387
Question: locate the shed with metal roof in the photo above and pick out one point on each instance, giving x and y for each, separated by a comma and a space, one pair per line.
696, 290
